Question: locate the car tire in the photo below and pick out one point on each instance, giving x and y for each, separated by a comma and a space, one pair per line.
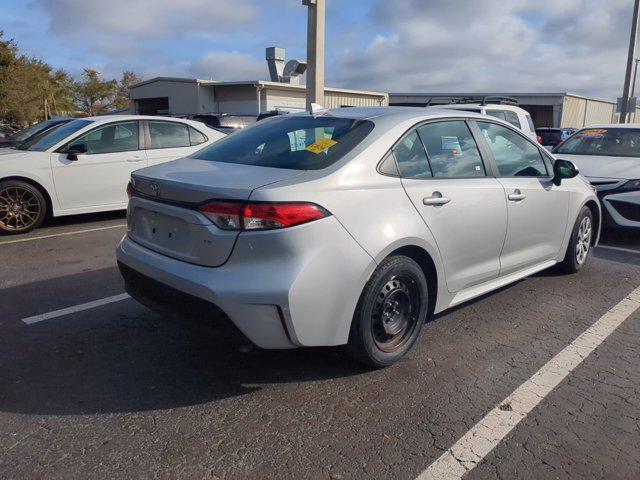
579, 247
391, 311
22, 207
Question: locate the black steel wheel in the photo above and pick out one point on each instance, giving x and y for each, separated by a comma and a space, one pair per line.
22, 207
390, 313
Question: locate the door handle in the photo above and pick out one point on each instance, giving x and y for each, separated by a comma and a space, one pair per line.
135, 159
516, 196
435, 200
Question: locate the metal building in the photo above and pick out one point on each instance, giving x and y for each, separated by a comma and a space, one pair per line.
547, 109
191, 96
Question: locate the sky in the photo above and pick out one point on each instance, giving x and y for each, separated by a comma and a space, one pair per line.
579, 46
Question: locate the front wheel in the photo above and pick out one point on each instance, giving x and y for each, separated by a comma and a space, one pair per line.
579, 244
390, 313
22, 207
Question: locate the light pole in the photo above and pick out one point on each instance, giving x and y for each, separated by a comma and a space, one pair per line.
633, 87
315, 51
631, 56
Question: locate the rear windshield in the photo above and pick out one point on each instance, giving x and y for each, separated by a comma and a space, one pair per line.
293, 142
550, 137
615, 142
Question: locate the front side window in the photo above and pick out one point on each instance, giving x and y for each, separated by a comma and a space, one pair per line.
514, 155
451, 149
168, 134
110, 138
48, 139
300, 142
411, 157
614, 142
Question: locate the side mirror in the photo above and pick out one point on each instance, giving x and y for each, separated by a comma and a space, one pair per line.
564, 169
74, 150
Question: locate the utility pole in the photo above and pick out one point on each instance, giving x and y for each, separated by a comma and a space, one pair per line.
633, 87
315, 51
630, 59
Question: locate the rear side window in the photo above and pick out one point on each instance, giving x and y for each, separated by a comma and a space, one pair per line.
111, 138
196, 137
514, 155
530, 122
295, 142
497, 114
512, 118
411, 157
168, 134
451, 150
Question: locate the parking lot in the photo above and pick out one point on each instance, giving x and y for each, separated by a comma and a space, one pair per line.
115, 391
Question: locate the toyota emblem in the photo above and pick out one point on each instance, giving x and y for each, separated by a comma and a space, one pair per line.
155, 189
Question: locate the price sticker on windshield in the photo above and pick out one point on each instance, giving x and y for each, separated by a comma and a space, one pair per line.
593, 133
321, 145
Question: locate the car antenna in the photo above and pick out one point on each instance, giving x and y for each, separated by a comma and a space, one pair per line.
317, 109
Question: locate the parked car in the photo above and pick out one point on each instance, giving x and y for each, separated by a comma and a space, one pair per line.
84, 165
499, 107
340, 227
6, 131
552, 137
609, 156
30, 132
224, 122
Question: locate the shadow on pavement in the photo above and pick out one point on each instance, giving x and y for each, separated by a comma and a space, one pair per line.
123, 358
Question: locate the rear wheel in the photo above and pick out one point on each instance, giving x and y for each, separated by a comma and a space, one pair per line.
390, 313
22, 207
579, 244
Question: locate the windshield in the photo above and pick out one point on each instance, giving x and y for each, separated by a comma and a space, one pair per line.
615, 142
22, 135
550, 137
298, 142
48, 139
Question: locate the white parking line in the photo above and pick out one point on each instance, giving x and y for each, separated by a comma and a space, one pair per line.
74, 309
496, 425
64, 234
619, 249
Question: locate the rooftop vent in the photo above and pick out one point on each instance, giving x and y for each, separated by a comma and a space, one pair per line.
281, 72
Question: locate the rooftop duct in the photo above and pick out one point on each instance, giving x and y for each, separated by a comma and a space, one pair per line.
279, 72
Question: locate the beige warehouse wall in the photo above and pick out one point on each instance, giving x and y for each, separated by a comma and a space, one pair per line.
579, 112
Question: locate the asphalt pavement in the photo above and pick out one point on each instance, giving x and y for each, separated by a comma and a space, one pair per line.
112, 390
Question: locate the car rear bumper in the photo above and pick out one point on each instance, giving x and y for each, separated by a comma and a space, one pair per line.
281, 289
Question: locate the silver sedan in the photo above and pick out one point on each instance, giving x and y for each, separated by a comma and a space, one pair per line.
352, 226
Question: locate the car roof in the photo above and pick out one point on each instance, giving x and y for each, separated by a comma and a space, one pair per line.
397, 113
487, 106
110, 118
613, 125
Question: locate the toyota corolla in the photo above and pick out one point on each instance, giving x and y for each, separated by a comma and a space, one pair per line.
352, 226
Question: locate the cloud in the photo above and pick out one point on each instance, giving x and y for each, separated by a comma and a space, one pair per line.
124, 27
492, 45
229, 66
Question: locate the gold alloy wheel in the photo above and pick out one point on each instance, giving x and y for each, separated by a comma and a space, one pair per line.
20, 209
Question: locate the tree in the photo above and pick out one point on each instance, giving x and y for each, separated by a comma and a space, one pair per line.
29, 88
123, 98
92, 94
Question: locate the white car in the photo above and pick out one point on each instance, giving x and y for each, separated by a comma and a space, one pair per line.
609, 156
512, 114
83, 166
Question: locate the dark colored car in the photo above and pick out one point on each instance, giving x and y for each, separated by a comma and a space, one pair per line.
552, 137
223, 122
28, 133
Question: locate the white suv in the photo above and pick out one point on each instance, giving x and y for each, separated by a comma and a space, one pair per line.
512, 114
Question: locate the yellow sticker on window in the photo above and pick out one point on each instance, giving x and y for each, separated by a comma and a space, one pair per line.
321, 145
594, 131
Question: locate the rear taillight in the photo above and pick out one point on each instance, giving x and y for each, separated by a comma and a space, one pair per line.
229, 215
539, 139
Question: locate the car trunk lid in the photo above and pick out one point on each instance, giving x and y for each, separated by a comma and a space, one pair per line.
163, 213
